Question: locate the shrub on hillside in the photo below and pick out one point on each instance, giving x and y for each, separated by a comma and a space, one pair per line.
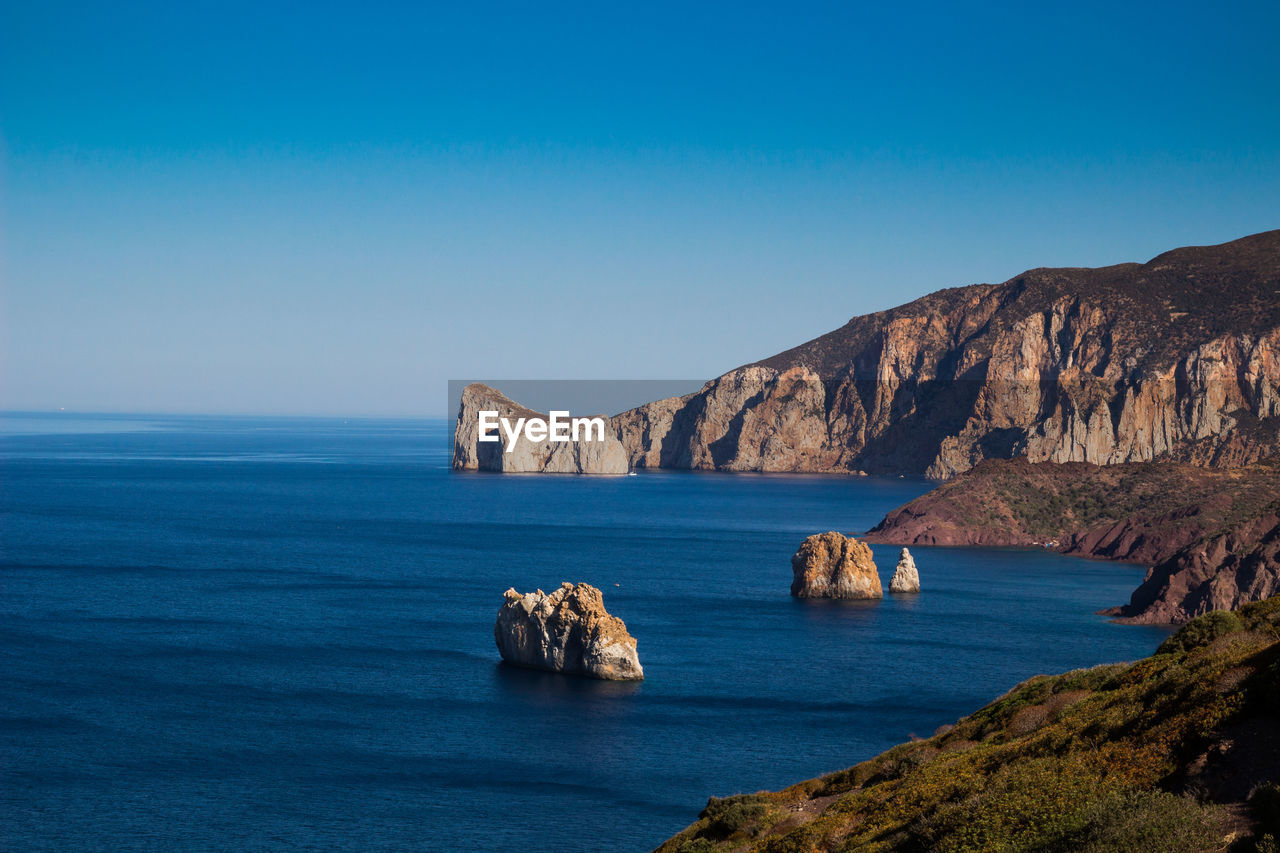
697, 845
1265, 805
1202, 631
1144, 822
743, 813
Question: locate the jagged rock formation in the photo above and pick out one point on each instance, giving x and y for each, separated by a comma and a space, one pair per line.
567, 630
1233, 567
546, 457
1212, 535
751, 419
905, 576
1177, 358
832, 565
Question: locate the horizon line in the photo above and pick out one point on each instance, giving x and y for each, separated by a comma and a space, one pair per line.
207, 414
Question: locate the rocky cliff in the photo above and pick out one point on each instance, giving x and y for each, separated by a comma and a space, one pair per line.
832, 565
526, 456
1234, 566
1211, 534
1177, 358
567, 630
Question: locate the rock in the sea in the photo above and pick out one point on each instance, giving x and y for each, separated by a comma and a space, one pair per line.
832, 565
526, 457
567, 630
905, 577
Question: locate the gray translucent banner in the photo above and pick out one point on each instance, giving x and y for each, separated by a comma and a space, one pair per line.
580, 396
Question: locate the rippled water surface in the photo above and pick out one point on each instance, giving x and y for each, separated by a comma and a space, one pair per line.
246, 634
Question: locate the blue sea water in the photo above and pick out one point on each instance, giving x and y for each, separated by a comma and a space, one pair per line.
250, 634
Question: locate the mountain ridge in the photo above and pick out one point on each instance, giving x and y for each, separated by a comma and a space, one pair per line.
1177, 358
1234, 263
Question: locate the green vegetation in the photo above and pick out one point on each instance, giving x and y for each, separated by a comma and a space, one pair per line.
1145, 822
1148, 756
1265, 804
735, 815
1202, 631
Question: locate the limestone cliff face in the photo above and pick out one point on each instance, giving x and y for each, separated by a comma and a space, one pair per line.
832, 565
751, 419
1175, 359
906, 578
567, 630
546, 457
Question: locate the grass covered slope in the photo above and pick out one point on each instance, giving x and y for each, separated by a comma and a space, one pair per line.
1212, 534
1177, 752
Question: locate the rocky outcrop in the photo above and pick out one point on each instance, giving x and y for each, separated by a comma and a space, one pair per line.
567, 630
526, 457
905, 576
832, 565
1220, 572
1210, 534
1175, 359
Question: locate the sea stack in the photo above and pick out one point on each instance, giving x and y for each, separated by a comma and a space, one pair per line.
832, 565
905, 577
567, 631
604, 455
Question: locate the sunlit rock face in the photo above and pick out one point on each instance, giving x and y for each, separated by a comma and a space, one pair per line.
1175, 359
905, 577
832, 565
567, 630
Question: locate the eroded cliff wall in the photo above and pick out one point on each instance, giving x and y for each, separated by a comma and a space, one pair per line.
1175, 359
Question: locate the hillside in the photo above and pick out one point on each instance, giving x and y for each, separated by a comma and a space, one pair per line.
1177, 752
1211, 534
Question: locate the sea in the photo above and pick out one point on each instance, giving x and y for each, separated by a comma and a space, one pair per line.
265, 634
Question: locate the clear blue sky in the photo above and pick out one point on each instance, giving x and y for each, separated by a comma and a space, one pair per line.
323, 208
